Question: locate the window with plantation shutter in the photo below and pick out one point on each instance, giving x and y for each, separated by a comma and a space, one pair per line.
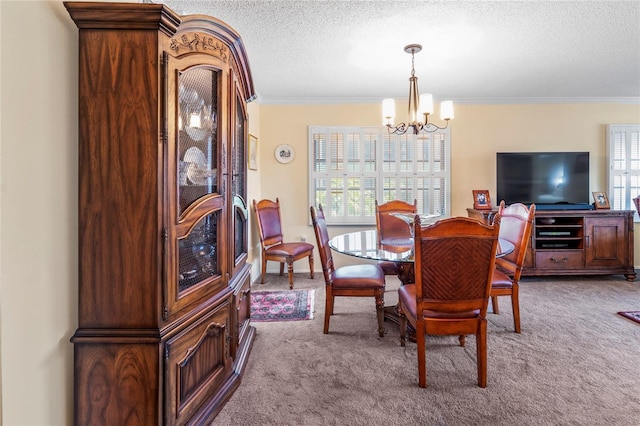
623, 155
352, 167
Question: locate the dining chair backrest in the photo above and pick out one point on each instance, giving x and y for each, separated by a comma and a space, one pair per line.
269, 222
322, 238
454, 260
389, 226
516, 222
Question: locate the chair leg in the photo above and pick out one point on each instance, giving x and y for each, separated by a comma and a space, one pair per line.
422, 356
379, 295
328, 308
264, 269
515, 304
290, 273
494, 305
481, 353
311, 265
402, 321
281, 268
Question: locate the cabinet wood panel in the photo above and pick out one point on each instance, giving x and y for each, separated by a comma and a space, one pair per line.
117, 383
118, 180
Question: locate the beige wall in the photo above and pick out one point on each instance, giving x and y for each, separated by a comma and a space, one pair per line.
477, 133
38, 238
38, 188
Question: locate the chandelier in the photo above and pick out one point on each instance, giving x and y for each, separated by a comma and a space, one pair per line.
419, 106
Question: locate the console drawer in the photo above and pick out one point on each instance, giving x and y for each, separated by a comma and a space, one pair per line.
559, 259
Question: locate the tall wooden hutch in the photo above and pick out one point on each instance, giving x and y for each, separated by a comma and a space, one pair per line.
163, 319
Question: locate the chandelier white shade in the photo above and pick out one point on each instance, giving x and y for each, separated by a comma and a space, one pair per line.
420, 106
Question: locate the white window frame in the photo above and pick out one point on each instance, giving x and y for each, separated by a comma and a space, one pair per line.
623, 161
405, 170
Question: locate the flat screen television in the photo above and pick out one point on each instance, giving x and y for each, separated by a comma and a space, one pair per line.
551, 180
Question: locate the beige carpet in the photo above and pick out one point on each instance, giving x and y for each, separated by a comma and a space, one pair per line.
576, 363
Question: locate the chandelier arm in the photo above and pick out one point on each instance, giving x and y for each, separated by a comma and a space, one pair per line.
402, 128
399, 129
430, 127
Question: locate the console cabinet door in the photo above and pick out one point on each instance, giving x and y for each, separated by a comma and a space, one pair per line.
607, 241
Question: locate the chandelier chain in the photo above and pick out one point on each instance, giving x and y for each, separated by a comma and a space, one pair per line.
413, 70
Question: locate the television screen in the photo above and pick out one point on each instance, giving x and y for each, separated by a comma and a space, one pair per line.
548, 179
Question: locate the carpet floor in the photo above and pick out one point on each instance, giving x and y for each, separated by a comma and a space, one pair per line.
576, 362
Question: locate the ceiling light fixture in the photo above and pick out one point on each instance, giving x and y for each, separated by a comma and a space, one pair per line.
419, 105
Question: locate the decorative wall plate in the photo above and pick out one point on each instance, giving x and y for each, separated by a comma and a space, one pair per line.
285, 153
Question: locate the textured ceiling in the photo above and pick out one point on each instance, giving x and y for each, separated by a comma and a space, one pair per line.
473, 51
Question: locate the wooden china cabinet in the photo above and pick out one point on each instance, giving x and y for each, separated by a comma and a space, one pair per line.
163, 318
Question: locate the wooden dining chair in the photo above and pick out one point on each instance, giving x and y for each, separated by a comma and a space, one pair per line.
391, 229
454, 263
516, 222
362, 280
272, 242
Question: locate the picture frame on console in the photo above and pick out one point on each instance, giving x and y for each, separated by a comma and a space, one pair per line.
600, 200
481, 199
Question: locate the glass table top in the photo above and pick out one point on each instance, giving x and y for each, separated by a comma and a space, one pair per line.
364, 244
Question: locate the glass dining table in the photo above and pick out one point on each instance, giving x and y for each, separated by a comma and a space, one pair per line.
365, 245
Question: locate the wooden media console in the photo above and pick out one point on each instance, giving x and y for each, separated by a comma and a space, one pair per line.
577, 242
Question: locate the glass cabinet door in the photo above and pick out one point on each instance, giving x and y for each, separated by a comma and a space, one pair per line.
197, 148
239, 183
195, 265
198, 253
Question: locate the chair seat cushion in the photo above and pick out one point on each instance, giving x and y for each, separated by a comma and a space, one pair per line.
290, 249
358, 276
501, 280
407, 295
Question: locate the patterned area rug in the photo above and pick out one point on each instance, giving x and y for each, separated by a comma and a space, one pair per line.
289, 305
632, 315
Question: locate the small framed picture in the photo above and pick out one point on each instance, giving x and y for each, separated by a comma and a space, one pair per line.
600, 200
481, 199
253, 153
